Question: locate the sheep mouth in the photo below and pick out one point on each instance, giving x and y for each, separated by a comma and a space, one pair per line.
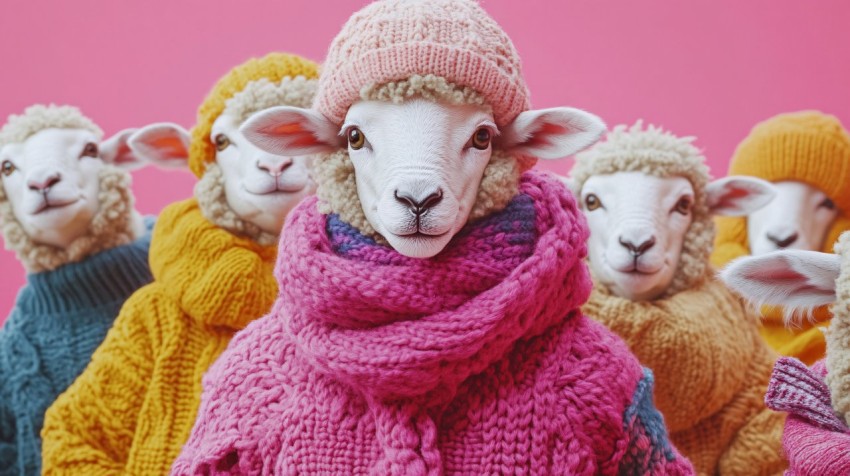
48, 205
421, 235
276, 190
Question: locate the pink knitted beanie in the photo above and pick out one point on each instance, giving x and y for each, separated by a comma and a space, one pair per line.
392, 40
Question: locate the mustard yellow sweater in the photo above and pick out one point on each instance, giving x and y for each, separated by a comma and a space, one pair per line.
134, 406
711, 371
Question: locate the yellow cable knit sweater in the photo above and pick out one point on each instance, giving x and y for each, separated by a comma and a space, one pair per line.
132, 409
711, 373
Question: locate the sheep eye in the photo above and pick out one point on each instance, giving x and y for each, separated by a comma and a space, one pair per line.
481, 138
356, 138
90, 150
683, 206
827, 203
7, 168
221, 142
592, 202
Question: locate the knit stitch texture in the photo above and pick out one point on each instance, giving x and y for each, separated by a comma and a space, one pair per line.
806, 146
133, 407
815, 439
712, 370
476, 361
392, 40
59, 319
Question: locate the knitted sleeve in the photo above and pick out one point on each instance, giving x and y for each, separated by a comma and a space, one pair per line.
692, 342
240, 390
89, 429
8, 450
648, 447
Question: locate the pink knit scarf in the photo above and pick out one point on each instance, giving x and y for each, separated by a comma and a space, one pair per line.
406, 332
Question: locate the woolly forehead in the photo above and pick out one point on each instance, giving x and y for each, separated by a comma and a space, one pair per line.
262, 94
19, 128
651, 152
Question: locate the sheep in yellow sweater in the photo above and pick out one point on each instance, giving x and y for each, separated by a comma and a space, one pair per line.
807, 156
649, 201
211, 257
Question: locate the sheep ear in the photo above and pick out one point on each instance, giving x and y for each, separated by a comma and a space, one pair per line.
552, 133
796, 279
116, 150
292, 131
738, 195
163, 144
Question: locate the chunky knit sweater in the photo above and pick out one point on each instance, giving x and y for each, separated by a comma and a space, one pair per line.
476, 361
712, 370
59, 319
133, 407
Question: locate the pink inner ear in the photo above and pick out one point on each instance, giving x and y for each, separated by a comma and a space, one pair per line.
728, 200
171, 147
541, 136
774, 272
286, 128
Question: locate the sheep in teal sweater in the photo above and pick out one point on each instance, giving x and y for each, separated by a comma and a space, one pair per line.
67, 212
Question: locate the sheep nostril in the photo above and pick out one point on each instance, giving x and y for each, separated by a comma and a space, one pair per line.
638, 249
783, 242
274, 169
44, 185
418, 207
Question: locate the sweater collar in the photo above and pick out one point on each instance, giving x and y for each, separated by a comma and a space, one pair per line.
105, 277
216, 277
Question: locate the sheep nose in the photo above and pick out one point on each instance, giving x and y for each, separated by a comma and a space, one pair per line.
44, 185
783, 242
274, 168
418, 207
640, 248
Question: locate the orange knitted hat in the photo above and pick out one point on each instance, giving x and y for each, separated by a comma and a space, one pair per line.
273, 67
807, 146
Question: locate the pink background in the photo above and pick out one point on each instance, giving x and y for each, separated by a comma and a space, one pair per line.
709, 68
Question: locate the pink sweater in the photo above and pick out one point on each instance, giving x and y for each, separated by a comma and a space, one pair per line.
474, 362
816, 440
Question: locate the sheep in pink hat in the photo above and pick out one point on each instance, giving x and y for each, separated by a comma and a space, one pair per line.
429, 312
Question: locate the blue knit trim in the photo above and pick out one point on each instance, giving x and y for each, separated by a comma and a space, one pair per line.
643, 421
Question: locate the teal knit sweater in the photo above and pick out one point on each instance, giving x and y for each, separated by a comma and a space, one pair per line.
59, 319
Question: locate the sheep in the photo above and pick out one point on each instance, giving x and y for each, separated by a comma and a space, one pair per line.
648, 199
428, 319
817, 432
211, 257
66, 209
806, 155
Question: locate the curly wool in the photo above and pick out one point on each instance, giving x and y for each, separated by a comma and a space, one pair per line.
111, 226
838, 335
334, 173
297, 91
656, 152
19, 128
212, 200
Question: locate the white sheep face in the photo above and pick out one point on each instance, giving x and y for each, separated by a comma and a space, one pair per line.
638, 224
798, 218
637, 227
52, 183
418, 163
417, 167
260, 187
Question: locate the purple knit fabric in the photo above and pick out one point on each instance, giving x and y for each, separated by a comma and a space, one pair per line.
816, 440
475, 362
